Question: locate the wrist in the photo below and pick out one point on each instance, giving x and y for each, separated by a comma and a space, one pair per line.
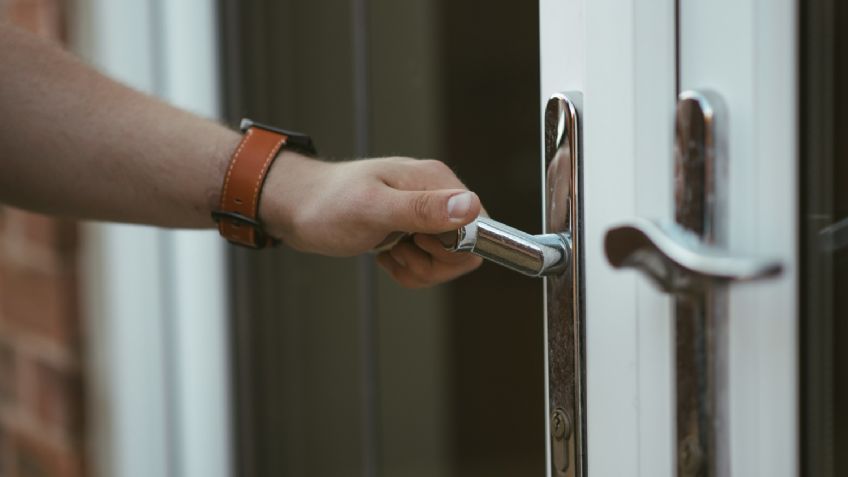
291, 181
221, 152
240, 212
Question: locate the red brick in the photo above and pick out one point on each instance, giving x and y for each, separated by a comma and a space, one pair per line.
41, 384
39, 302
59, 400
58, 234
34, 457
8, 375
31, 235
5, 452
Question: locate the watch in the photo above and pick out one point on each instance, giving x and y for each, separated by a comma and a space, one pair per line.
238, 208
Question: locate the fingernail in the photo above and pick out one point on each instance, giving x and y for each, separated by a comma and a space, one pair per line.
458, 205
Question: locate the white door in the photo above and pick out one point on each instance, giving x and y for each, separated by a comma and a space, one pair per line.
631, 60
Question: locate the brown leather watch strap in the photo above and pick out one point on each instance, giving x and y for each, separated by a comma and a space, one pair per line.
238, 208
239, 205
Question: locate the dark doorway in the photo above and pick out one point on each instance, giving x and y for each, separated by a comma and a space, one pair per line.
337, 371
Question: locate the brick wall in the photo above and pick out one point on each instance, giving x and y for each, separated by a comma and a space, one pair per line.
41, 380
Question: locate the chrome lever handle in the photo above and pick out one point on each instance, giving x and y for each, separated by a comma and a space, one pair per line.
532, 255
677, 260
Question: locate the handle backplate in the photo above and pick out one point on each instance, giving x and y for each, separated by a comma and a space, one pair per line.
564, 292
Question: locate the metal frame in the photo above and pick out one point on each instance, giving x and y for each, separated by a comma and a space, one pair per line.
818, 32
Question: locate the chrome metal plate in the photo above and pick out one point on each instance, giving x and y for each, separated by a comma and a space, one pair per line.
700, 318
565, 376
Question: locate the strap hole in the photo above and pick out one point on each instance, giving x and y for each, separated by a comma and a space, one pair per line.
237, 201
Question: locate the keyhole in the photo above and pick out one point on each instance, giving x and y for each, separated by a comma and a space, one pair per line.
560, 436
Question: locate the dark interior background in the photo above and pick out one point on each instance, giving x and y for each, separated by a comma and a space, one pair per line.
337, 371
823, 73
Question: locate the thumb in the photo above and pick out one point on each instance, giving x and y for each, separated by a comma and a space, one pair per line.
433, 211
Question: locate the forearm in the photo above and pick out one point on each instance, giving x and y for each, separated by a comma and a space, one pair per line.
78, 144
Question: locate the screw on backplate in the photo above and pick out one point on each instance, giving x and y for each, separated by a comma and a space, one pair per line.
690, 457
560, 425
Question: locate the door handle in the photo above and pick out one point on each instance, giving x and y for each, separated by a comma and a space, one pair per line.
677, 260
689, 259
532, 255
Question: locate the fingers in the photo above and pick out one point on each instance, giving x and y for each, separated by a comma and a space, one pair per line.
425, 263
427, 198
432, 212
420, 174
398, 272
437, 251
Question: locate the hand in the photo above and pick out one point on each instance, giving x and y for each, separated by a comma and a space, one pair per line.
348, 208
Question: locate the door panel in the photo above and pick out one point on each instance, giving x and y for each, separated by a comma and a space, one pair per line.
633, 58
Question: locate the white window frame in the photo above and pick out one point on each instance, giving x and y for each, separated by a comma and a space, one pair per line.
156, 301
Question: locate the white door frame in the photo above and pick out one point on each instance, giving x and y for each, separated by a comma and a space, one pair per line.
155, 300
